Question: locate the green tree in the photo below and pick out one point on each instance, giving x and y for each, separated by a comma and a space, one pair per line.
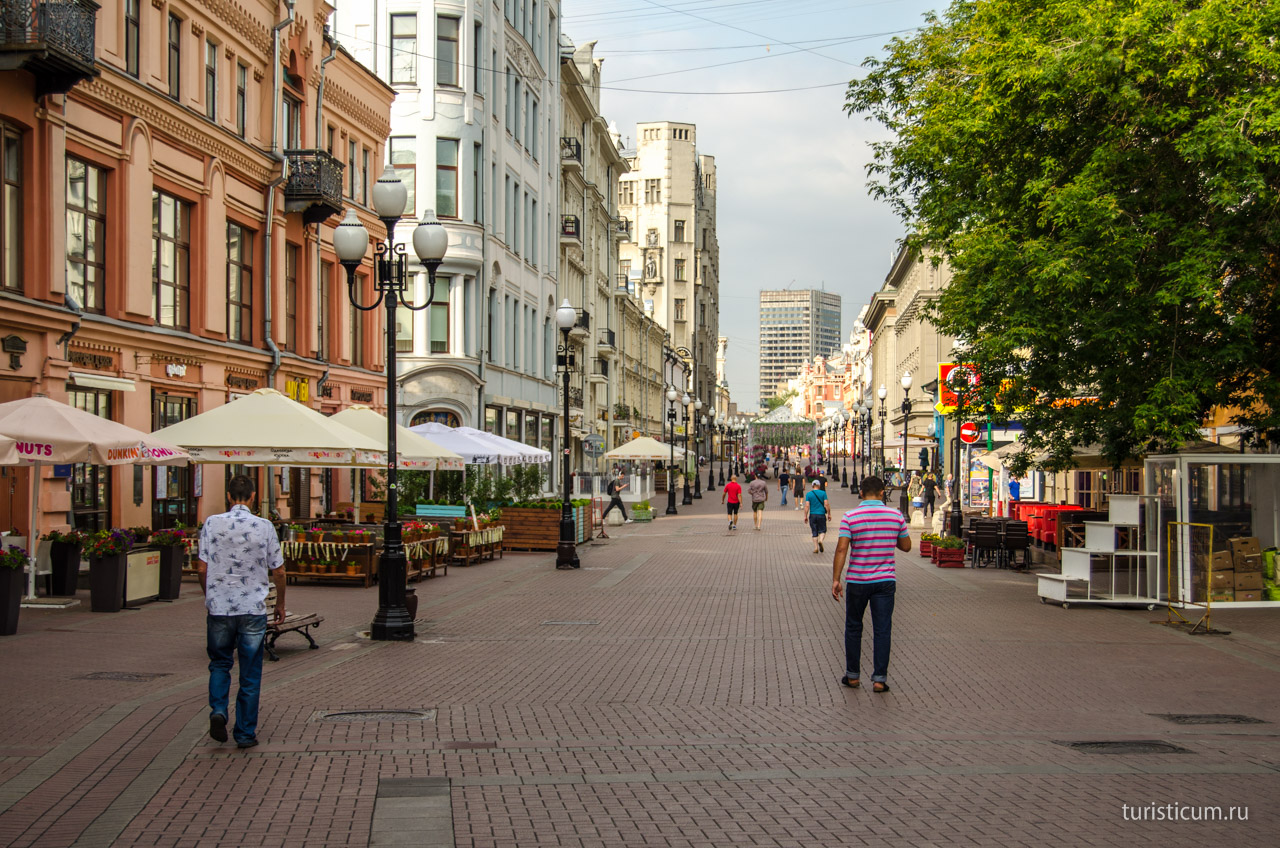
778, 400
1102, 176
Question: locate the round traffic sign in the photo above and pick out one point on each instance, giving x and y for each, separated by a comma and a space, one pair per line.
968, 432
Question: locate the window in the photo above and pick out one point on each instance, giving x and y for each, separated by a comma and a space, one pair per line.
627, 193
438, 317
172, 500
86, 234
679, 231
516, 124
364, 181
679, 311
533, 129
357, 324
90, 484
533, 233
353, 176
680, 271
242, 99
404, 157
291, 340
404, 328
131, 36
475, 60
322, 311
292, 122
476, 193
653, 191
211, 80
404, 49
171, 260
516, 232
446, 51
175, 56
447, 177
239, 283
11, 210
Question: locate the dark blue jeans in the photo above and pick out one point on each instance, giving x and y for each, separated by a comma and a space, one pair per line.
230, 636
879, 596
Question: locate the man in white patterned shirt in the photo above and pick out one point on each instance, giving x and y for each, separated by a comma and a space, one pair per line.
239, 558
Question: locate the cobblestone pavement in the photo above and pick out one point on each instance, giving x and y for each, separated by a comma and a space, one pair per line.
681, 689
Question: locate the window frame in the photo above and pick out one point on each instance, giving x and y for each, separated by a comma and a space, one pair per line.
406, 172
240, 305
397, 46
442, 172
679, 231
174, 56
678, 274
181, 285
292, 255
11, 209
210, 80
132, 37
450, 62
242, 98
97, 303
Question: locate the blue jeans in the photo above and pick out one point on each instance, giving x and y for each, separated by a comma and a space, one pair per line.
784, 496
857, 596
241, 635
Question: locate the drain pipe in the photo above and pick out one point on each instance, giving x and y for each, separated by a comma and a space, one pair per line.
333, 54
482, 295
268, 504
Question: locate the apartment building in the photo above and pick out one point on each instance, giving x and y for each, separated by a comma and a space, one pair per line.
173, 173
795, 326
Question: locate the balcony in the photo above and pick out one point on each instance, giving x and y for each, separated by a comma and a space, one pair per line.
582, 327
570, 228
607, 343
570, 153
622, 286
622, 229
314, 187
599, 371
52, 39
575, 397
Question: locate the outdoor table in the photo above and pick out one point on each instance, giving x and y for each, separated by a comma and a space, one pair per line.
341, 561
469, 546
427, 555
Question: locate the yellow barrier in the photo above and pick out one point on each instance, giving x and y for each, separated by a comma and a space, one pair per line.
1208, 595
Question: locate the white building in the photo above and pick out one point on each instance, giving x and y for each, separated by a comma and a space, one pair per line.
474, 137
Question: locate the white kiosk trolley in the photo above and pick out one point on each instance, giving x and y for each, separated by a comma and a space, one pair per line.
1119, 563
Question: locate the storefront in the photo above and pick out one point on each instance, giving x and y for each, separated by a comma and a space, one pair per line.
1220, 516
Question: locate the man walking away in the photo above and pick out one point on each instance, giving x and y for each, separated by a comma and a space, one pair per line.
815, 514
732, 496
616, 485
798, 488
930, 494
239, 560
864, 561
784, 483
758, 489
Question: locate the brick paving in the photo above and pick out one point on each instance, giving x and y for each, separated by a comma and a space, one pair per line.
678, 690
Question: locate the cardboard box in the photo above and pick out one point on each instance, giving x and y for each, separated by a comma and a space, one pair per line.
1249, 562
1248, 580
1221, 580
1249, 596
1244, 546
1223, 596
1220, 561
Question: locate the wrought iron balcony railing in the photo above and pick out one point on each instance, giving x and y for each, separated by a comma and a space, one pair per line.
575, 396
570, 150
570, 227
314, 187
607, 338
53, 39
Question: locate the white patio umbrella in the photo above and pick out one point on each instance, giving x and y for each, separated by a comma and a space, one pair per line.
473, 451
45, 431
644, 448
528, 454
414, 451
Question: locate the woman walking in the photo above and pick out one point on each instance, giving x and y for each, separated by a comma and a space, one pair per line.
815, 502
798, 482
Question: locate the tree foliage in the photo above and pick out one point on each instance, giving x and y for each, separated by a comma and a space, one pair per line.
776, 401
1102, 176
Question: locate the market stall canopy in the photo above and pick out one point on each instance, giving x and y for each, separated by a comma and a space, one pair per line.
643, 448
528, 454
44, 430
267, 428
413, 451
782, 428
472, 450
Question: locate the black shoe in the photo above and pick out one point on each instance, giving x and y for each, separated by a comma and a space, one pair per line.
218, 727
248, 743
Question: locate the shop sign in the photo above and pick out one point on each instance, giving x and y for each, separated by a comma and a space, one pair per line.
949, 373
96, 361
362, 396
175, 369
242, 382
298, 388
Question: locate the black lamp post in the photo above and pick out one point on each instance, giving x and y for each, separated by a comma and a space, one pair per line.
671, 440
697, 480
844, 449
721, 428
865, 416
430, 242
957, 517
710, 429
904, 502
567, 547
686, 498
882, 393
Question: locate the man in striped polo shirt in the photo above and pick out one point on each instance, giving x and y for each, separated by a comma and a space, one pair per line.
865, 555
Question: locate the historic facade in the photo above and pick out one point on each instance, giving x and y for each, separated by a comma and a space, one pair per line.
167, 216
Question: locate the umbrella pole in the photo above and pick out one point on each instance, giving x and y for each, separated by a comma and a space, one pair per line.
33, 544
357, 489
431, 487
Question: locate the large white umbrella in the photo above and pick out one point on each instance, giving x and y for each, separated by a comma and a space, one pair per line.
413, 451
644, 448
527, 454
474, 451
46, 431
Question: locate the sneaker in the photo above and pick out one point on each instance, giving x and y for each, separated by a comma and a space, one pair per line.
248, 743
218, 727
628, 521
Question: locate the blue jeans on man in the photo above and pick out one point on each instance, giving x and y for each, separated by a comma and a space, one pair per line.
858, 596
230, 637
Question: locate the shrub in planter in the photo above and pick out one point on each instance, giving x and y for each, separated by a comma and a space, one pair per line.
107, 550
13, 561
950, 552
173, 545
64, 560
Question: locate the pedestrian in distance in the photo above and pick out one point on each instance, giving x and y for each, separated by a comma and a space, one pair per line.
797, 483
815, 513
616, 485
864, 566
732, 498
239, 559
784, 483
1015, 489
930, 494
758, 489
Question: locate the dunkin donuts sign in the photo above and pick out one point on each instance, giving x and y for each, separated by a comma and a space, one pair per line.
34, 450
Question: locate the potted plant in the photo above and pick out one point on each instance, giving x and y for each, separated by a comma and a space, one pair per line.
64, 559
950, 552
140, 534
642, 511
927, 541
173, 547
13, 562
107, 551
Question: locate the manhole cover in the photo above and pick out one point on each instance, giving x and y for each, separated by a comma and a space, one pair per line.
1133, 746
379, 715
1208, 718
568, 623
126, 676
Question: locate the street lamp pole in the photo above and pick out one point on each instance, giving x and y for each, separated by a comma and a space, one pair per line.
709, 428
567, 547
697, 434
904, 502
687, 498
882, 393
844, 450
430, 242
671, 466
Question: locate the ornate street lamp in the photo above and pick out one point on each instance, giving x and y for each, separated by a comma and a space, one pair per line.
671, 466
865, 415
567, 547
697, 481
882, 393
430, 242
904, 502
687, 498
844, 449
710, 429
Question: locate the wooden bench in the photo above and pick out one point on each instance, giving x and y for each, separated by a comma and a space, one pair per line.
440, 511
297, 623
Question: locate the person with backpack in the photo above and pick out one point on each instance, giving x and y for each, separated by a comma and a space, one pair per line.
784, 483
616, 486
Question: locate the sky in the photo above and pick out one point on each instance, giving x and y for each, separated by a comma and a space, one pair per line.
793, 208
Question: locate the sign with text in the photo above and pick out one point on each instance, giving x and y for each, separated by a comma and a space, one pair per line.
949, 373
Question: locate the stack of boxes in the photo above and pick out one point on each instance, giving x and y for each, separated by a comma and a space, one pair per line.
1215, 576
1246, 559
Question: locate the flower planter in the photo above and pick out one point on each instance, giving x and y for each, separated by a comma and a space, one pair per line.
64, 559
12, 583
926, 549
531, 529
933, 554
106, 583
638, 514
950, 558
171, 557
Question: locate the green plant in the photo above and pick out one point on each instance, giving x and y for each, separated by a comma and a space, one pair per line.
504, 486
949, 543
140, 534
70, 537
643, 506
105, 543
170, 537
14, 557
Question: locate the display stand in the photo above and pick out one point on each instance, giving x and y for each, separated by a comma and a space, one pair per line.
1130, 577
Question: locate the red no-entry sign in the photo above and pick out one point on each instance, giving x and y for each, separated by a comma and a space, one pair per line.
969, 433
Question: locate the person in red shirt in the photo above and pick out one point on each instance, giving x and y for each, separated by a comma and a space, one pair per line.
732, 497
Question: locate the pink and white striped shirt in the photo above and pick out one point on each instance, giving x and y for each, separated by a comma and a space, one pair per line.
873, 530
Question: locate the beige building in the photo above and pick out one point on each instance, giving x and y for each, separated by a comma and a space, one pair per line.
670, 259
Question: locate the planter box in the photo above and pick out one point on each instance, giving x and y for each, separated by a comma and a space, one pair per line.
64, 560
641, 515
12, 584
171, 557
926, 549
106, 583
531, 529
950, 558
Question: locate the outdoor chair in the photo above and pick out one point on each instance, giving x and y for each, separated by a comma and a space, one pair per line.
985, 542
1016, 538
